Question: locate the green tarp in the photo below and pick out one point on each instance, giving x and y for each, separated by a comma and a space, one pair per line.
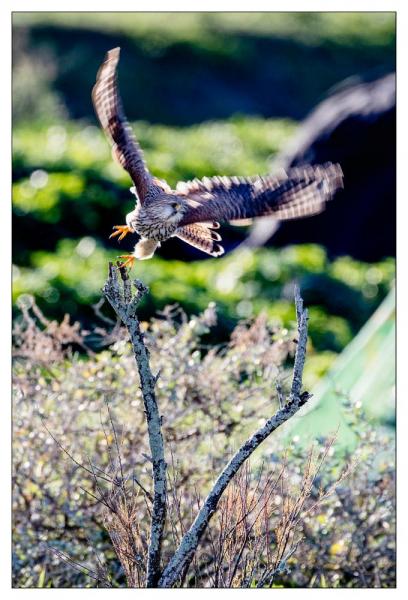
364, 373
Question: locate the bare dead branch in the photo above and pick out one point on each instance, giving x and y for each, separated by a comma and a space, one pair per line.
121, 300
300, 356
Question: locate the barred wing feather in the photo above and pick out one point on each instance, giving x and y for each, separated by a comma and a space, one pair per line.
299, 192
201, 236
108, 107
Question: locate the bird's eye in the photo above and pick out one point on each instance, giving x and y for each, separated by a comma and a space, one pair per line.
175, 205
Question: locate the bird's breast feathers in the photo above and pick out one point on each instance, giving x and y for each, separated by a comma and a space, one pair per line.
157, 220
159, 231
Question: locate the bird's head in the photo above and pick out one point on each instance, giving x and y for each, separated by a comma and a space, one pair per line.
166, 208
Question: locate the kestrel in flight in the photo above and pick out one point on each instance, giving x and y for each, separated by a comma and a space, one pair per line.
194, 209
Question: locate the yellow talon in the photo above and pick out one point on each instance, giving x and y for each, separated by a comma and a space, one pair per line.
121, 231
129, 262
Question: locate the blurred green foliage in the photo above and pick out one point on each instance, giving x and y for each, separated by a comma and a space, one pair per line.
239, 145
68, 193
341, 294
311, 28
66, 184
190, 67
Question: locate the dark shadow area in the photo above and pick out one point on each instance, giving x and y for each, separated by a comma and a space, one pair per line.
357, 128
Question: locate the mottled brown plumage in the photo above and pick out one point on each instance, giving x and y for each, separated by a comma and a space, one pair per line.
192, 211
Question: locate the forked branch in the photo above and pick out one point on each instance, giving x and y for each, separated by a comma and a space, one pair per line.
125, 302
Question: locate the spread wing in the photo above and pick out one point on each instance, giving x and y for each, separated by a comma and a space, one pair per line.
108, 107
299, 192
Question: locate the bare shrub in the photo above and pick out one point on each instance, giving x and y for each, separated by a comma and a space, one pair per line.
40, 340
84, 523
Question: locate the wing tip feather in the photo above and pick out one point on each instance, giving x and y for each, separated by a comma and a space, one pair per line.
218, 250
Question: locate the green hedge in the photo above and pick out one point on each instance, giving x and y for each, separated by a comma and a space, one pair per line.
341, 294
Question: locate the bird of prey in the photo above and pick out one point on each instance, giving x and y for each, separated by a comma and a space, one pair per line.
193, 210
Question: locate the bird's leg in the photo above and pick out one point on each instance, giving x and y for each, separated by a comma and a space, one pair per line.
121, 231
129, 260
